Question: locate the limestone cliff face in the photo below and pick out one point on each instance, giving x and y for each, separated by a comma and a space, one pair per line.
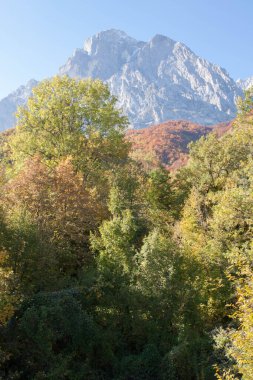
157, 80
154, 81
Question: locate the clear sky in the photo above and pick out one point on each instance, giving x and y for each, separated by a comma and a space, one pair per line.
37, 36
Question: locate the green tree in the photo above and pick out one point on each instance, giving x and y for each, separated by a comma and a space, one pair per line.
65, 117
51, 337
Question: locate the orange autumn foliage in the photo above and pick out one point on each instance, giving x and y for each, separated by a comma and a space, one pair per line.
56, 199
167, 143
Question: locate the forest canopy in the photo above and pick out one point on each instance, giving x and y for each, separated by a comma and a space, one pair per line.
111, 270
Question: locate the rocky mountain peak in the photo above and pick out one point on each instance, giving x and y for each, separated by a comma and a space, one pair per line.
160, 39
245, 84
154, 81
103, 55
111, 37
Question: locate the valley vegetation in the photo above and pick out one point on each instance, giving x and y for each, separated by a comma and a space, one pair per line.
111, 269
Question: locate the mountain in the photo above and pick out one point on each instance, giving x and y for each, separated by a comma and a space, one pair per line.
167, 143
9, 105
245, 84
102, 56
154, 81
157, 80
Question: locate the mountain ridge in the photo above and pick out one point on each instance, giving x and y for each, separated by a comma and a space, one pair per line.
154, 81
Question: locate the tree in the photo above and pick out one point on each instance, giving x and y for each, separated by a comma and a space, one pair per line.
65, 117
115, 244
241, 338
160, 280
68, 137
51, 337
50, 212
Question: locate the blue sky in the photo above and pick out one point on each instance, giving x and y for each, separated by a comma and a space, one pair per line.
37, 36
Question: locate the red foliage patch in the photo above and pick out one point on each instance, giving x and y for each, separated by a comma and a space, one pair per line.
167, 143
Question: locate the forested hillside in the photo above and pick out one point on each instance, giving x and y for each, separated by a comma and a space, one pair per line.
168, 143
114, 269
